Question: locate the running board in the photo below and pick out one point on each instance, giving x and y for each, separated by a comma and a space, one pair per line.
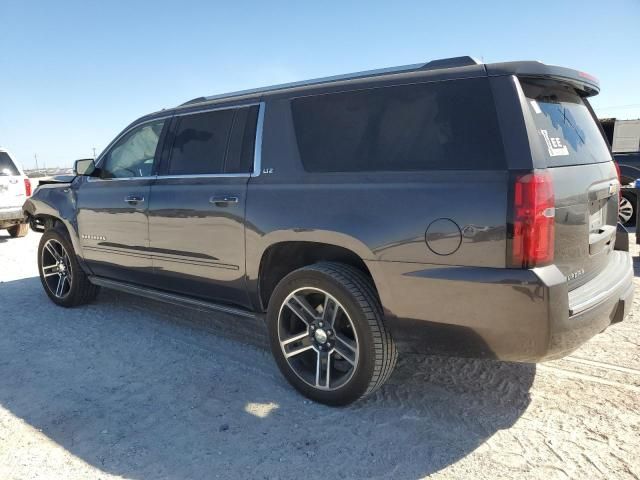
169, 297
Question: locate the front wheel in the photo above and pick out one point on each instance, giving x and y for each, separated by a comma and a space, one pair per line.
63, 279
327, 333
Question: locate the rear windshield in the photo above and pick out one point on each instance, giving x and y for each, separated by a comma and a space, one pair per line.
7, 166
565, 126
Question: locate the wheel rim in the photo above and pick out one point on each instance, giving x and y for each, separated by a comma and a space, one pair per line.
318, 338
56, 268
625, 211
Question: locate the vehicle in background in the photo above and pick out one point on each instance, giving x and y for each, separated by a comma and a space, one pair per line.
624, 138
453, 206
15, 188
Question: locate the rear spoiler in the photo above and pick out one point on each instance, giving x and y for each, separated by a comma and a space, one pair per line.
586, 84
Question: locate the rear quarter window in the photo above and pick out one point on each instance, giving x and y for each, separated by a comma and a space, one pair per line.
7, 167
565, 126
449, 125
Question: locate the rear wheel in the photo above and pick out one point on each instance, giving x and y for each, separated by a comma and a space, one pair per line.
19, 230
63, 279
327, 333
627, 209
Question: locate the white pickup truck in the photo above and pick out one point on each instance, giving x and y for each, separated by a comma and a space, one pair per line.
15, 188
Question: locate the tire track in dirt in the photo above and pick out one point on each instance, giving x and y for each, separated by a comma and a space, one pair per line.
604, 365
567, 373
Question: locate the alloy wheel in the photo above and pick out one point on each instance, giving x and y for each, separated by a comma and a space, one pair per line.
625, 211
56, 268
318, 338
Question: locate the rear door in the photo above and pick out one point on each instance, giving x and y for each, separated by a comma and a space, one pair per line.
197, 206
569, 142
12, 186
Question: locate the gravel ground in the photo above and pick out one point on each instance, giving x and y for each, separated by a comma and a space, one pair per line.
127, 387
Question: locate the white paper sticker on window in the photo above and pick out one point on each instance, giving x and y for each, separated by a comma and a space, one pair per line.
554, 145
536, 107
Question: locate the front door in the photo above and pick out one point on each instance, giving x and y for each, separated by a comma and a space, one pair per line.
113, 206
196, 212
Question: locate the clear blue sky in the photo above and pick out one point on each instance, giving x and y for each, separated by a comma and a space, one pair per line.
74, 73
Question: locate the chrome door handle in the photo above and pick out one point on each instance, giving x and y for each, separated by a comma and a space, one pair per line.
223, 200
134, 199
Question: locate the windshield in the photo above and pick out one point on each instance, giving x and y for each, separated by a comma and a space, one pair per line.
564, 124
7, 166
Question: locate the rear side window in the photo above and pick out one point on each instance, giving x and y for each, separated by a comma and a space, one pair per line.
200, 143
431, 126
7, 167
242, 142
565, 127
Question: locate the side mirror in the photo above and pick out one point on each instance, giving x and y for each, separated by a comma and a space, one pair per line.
84, 167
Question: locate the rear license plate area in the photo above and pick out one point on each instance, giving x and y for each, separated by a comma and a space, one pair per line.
597, 215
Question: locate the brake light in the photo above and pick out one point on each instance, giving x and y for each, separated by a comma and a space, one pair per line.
588, 76
533, 220
619, 178
27, 187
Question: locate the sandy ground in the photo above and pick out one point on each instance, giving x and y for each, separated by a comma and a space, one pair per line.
131, 388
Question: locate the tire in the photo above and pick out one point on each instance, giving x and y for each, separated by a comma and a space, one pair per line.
341, 335
627, 210
76, 288
19, 230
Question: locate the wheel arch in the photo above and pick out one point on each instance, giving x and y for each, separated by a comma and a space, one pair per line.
54, 206
281, 258
628, 173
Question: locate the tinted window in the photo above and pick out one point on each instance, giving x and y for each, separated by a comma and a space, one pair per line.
200, 143
6, 165
249, 140
444, 125
566, 128
240, 152
133, 154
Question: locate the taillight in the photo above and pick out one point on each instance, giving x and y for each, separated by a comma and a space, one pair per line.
619, 186
27, 187
533, 220
619, 178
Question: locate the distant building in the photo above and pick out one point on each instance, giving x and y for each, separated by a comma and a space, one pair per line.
623, 135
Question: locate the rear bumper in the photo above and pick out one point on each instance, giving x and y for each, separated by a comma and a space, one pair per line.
605, 300
11, 216
506, 314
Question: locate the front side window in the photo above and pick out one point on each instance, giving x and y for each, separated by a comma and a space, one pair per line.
450, 125
200, 143
133, 154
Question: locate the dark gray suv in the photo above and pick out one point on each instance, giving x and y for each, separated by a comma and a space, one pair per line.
449, 207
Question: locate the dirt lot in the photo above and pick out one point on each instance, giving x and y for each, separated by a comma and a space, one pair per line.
131, 388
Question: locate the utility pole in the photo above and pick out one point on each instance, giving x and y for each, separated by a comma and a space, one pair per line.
94, 153
35, 155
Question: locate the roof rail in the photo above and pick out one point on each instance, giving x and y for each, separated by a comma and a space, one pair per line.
464, 61
452, 62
